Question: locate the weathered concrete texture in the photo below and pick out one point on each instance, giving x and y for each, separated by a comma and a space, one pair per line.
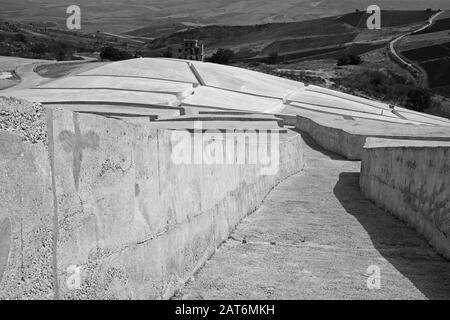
136, 223
411, 179
26, 246
245, 81
222, 99
207, 86
120, 83
146, 68
98, 95
348, 136
314, 237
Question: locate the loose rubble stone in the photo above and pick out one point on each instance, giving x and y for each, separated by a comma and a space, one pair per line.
24, 118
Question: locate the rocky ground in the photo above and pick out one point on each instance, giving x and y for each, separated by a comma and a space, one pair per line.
24, 118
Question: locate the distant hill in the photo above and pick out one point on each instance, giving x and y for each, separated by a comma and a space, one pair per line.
121, 16
293, 40
390, 18
44, 41
229, 36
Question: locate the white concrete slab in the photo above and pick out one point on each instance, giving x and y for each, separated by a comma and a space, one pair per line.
108, 82
147, 68
395, 143
99, 95
245, 81
297, 108
324, 100
211, 97
117, 109
347, 96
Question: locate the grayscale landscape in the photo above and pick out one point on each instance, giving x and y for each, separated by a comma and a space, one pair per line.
225, 150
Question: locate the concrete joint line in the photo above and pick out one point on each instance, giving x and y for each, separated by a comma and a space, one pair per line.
51, 154
196, 74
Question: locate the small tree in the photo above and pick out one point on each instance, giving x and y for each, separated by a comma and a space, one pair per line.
39, 48
418, 99
20, 37
349, 59
114, 54
273, 58
222, 56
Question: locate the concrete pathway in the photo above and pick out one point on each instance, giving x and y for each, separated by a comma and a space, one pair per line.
29, 78
314, 237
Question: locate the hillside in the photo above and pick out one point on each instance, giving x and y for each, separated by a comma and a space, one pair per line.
46, 41
429, 49
119, 16
294, 40
391, 18
255, 36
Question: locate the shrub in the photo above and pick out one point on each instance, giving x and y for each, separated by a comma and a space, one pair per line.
349, 59
114, 54
387, 86
39, 48
273, 58
222, 56
418, 99
20, 37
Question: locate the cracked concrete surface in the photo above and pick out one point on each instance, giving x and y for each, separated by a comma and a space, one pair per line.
314, 238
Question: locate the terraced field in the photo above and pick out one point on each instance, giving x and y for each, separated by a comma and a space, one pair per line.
392, 18
435, 60
215, 36
289, 45
437, 51
440, 25
438, 74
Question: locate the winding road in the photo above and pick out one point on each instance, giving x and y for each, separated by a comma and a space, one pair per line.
26, 71
394, 52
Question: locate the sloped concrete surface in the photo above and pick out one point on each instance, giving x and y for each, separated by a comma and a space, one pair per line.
411, 179
314, 237
347, 136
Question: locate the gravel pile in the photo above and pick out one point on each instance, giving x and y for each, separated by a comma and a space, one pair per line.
25, 118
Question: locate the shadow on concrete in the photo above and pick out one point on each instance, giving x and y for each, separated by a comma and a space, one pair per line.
396, 242
315, 146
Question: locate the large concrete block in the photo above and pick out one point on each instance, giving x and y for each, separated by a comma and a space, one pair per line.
26, 213
133, 223
411, 179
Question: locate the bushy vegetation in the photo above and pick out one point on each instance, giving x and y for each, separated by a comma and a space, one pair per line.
349, 59
221, 56
418, 99
387, 86
114, 54
273, 58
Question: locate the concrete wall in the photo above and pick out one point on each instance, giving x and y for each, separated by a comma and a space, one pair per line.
26, 212
348, 137
137, 224
333, 139
411, 179
105, 213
